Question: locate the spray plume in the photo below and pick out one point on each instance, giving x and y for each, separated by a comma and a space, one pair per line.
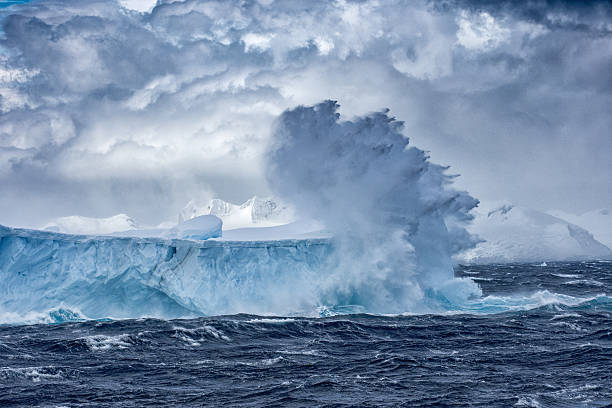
395, 218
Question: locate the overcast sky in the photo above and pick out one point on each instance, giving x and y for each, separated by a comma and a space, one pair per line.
110, 108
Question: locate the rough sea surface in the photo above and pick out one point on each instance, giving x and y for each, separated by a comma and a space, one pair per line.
555, 353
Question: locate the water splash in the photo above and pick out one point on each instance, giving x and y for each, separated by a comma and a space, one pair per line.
394, 215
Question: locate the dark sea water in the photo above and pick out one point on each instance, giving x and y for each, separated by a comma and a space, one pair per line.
555, 354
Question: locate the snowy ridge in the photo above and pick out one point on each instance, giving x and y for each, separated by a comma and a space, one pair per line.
598, 222
517, 234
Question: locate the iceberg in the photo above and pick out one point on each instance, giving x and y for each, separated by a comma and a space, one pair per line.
130, 277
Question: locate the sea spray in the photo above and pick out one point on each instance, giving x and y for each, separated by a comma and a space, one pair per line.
395, 218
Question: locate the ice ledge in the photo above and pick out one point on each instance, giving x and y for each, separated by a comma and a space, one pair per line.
209, 243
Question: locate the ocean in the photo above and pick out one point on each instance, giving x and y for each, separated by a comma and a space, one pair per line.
546, 343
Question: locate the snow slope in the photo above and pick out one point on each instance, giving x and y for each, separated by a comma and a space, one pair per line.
598, 222
255, 212
198, 228
76, 224
296, 230
517, 234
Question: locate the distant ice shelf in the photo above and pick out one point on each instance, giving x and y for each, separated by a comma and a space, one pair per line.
518, 234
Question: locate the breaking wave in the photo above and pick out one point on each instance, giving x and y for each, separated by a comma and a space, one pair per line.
394, 216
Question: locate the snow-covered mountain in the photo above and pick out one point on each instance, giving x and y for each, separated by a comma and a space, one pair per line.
598, 222
518, 234
76, 224
255, 212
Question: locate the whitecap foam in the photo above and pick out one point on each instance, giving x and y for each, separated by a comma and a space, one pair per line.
565, 316
571, 326
526, 401
34, 374
186, 336
194, 336
588, 282
262, 363
499, 304
301, 353
271, 321
101, 342
218, 334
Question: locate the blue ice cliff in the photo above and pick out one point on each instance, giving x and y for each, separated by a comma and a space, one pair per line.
123, 277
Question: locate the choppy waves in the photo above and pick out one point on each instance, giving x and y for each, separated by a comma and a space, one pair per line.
552, 355
505, 288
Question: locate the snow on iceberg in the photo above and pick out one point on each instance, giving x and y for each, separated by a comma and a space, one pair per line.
302, 229
517, 234
76, 224
255, 212
198, 228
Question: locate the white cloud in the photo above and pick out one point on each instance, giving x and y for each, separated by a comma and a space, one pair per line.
254, 41
480, 31
143, 6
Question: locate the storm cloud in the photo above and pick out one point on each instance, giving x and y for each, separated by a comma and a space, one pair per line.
109, 107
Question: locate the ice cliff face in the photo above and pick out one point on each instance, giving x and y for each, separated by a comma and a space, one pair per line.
516, 234
134, 277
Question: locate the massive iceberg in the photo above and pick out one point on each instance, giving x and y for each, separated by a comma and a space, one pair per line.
133, 277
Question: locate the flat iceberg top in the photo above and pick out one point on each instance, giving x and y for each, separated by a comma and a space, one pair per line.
198, 228
232, 241
76, 224
305, 229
